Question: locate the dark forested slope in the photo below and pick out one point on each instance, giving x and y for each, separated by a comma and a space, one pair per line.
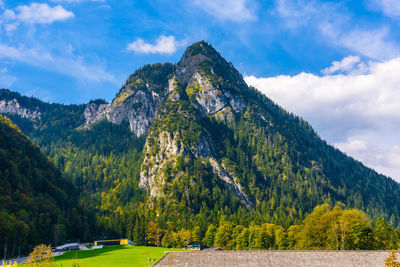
37, 203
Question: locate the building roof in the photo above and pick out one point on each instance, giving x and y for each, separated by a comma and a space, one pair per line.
67, 245
275, 258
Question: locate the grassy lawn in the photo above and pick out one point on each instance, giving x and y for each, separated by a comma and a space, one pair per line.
112, 256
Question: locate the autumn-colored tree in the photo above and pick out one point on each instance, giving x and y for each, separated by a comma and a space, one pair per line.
153, 234
196, 234
242, 241
41, 256
223, 235
168, 240
235, 234
281, 238
185, 236
392, 261
292, 233
210, 235
254, 237
327, 228
386, 237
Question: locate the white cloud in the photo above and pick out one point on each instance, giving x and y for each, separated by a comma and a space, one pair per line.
76, 1
359, 113
163, 45
337, 28
234, 10
390, 8
67, 64
9, 15
350, 64
35, 13
296, 14
352, 145
11, 27
372, 43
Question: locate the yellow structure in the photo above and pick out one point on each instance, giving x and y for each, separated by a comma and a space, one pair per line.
113, 242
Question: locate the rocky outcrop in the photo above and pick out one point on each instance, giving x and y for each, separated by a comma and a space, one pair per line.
95, 112
212, 99
139, 108
13, 107
230, 182
138, 100
159, 152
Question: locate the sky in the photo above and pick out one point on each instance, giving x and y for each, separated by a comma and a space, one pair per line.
334, 63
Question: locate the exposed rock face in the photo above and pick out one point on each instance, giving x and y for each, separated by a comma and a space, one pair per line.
214, 99
137, 107
13, 107
230, 182
137, 102
168, 149
96, 112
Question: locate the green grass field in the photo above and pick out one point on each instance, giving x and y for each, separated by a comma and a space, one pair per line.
112, 256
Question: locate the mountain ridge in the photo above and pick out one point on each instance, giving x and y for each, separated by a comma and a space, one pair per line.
202, 142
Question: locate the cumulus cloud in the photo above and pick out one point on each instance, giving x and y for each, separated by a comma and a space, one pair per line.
35, 13
336, 27
233, 10
163, 45
357, 112
67, 64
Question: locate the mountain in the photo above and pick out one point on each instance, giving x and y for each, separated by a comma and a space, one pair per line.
37, 203
190, 144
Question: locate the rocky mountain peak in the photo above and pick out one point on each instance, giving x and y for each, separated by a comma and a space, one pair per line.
202, 58
137, 101
211, 84
201, 48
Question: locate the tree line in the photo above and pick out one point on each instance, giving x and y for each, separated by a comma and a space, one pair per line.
325, 228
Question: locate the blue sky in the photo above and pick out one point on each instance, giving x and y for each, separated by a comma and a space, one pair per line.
86, 41
335, 63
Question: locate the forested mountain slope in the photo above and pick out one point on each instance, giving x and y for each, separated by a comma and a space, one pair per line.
37, 203
189, 144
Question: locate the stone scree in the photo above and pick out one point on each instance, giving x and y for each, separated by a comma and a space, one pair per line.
275, 258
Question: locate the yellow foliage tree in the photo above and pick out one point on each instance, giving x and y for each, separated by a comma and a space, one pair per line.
153, 234
392, 261
41, 256
327, 228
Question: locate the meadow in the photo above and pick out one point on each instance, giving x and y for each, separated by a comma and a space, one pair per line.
126, 255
